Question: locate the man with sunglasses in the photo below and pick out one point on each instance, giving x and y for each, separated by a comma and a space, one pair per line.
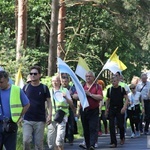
36, 117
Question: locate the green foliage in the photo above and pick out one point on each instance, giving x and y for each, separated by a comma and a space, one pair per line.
97, 31
8, 56
93, 30
47, 81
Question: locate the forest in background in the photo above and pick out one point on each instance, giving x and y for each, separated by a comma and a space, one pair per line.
93, 29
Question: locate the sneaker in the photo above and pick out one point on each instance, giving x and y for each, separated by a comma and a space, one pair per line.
132, 135
96, 145
137, 134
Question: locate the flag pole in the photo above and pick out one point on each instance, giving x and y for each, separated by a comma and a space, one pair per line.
102, 68
113, 53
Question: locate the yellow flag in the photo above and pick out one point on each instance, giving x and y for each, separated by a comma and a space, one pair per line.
19, 80
114, 64
82, 68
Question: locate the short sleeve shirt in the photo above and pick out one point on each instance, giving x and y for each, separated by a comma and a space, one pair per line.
5, 100
37, 97
95, 89
116, 96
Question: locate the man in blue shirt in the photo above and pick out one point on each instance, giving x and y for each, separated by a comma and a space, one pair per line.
7, 112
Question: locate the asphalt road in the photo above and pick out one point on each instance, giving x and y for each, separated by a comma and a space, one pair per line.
140, 143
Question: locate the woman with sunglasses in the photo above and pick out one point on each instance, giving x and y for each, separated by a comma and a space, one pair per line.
134, 110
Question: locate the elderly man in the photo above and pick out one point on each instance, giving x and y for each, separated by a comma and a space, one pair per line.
144, 88
90, 115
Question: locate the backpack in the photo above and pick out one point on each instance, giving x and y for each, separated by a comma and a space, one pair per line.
27, 85
111, 89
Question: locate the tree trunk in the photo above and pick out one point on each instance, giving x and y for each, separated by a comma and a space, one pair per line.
37, 35
21, 27
61, 30
52, 59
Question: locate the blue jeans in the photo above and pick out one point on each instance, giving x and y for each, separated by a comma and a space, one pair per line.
9, 140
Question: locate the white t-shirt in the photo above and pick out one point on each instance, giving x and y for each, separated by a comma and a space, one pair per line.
134, 99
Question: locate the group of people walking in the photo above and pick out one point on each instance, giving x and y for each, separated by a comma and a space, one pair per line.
36, 106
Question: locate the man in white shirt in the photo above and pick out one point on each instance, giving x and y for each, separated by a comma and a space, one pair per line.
144, 88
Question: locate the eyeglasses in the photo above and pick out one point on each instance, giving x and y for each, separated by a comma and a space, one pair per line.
33, 73
132, 88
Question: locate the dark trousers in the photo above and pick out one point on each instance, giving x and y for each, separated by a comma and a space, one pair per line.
134, 117
8, 140
104, 119
147, 114
141, 123
116, 114
70, 127
89, 120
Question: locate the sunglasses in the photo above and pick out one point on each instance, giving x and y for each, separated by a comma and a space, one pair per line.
33, 73
132, 88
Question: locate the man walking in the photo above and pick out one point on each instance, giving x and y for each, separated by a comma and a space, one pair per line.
13, 105
115, 110
56, 130
35, 118
144, 88
71, 118
90, 115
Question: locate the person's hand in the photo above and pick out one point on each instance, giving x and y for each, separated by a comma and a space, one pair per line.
123, 110
48, 120
75, 96
20, 122
87, 93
